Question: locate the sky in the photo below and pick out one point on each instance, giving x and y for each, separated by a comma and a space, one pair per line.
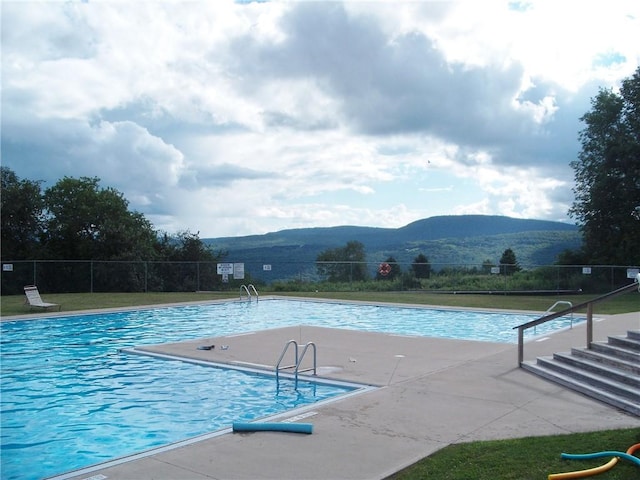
227, 118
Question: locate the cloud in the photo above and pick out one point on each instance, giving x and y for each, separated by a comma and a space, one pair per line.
240, 118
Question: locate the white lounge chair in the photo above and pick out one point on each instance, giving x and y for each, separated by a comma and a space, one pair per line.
34, 300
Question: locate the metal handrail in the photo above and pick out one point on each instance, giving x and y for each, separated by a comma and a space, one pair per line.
243, 288
298, 360
248, 289
284, 350
559, 302
315, 356
253, 288
589, 304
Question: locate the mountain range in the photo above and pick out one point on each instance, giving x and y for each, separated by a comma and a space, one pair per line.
445, 240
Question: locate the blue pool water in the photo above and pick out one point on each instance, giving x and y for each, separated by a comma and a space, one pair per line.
71, 399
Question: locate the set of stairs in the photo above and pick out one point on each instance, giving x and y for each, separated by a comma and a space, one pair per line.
608, 371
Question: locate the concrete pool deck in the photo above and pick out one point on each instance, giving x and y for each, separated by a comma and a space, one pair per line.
432, 392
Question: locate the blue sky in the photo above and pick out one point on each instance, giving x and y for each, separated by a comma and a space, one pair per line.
237, 118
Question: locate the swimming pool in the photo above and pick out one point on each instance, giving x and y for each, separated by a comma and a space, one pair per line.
71, 399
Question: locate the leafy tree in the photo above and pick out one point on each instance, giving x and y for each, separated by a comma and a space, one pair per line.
508, 262
607, 176
571, 257
86, 222
421, 267
343, 264
395, 270
191, 263
21, 209
187, 246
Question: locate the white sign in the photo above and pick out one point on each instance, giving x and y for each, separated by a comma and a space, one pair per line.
7, 267
495, 269
632, 272
586, 270
266, 268
225, 268
238, 271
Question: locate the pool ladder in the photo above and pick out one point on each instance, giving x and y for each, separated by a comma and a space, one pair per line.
298, 360
248, 289
550, 309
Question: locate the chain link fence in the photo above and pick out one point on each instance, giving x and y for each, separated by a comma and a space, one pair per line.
69, 276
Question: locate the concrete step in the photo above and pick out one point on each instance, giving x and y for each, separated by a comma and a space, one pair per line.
609, 372
612, 361
609, 369
627, 342
596, 380
623, 403
616, 351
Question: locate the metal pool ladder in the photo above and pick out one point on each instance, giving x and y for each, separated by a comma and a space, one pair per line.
298, 360
559, 302
248, 289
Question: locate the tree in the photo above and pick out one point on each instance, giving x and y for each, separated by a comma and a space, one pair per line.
86, 222
508, 262
21, 209
421, 267
187, 246
607, 176
190, 266
343, 264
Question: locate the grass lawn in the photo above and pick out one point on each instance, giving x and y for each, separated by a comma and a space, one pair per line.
14, 304
527, 458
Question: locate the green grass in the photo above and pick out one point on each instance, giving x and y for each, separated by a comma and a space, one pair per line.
14, 304
526, 458
70, 302
622, 304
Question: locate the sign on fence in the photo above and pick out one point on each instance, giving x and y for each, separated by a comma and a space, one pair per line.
238, 271
225, 268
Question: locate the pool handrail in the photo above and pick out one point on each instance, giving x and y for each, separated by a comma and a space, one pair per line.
252, 287
298, 360
248, 289
589, 304
243, 288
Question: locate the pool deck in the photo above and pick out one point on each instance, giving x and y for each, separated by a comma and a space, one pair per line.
432, 393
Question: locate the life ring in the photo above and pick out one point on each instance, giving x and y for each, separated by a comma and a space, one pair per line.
384, 269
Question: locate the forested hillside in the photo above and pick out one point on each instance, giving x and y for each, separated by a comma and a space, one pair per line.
464, 239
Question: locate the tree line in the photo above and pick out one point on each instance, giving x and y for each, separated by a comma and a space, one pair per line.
349, 264
77, 219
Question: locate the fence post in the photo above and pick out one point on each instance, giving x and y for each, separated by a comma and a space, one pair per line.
589, 324
91, 274
520, 346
